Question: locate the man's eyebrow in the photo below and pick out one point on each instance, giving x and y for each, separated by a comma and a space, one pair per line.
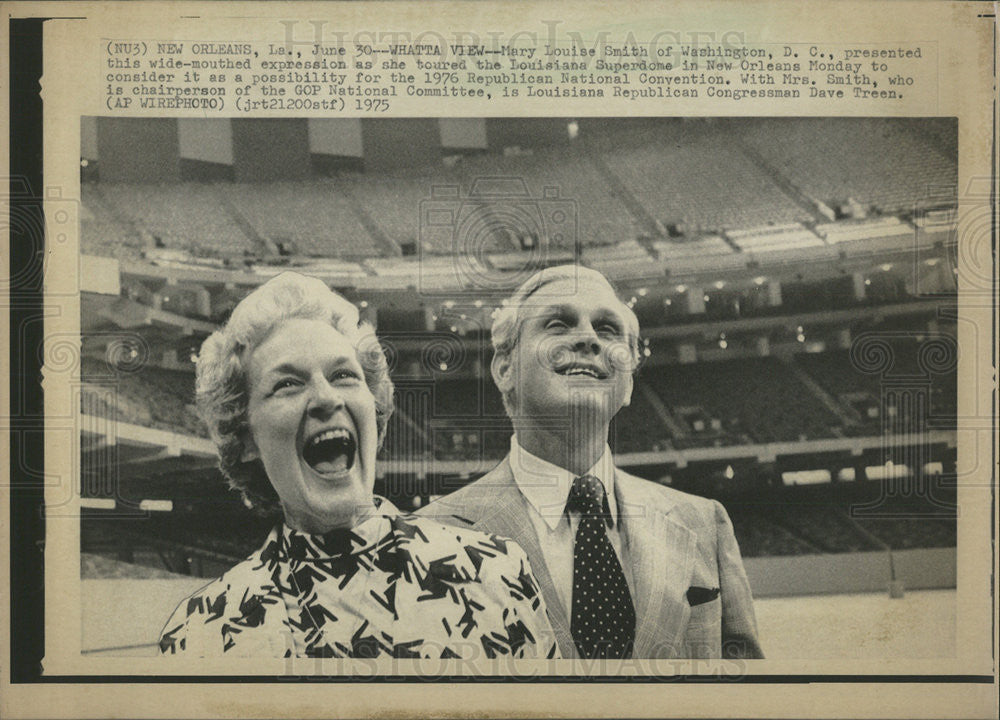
612, 317
555, 309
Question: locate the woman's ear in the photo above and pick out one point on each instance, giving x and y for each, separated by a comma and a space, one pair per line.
250, 451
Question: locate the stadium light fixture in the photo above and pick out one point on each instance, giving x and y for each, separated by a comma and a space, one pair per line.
156, 505
98, 503
805, 477
847, 474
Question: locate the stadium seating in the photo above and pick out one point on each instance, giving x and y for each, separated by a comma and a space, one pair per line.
838, 373
101, 233
315, 218
393, 201
152, 397
943, 132
822, 525
467, 420
638, 427
760, 397
225, 534
719, 403
832, 519
579, 189
694, 175
182, 216
759, 535
885, 163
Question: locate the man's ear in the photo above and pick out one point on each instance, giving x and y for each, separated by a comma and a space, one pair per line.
502, 370
627, 399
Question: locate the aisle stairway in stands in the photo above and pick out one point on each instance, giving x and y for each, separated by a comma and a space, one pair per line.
848, 416
793, 191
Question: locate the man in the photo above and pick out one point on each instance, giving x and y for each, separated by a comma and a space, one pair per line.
627, 567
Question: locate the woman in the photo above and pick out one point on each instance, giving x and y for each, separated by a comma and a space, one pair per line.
297, 396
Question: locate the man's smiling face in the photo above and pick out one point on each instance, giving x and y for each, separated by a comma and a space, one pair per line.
573, 354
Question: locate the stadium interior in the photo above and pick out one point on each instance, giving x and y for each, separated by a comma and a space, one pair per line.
794, 280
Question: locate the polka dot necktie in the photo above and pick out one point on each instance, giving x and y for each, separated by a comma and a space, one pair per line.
603, 617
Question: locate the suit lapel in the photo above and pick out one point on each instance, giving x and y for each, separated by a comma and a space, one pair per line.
507, 515
662, 556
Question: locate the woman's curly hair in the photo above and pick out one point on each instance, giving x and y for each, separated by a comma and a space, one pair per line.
221, 385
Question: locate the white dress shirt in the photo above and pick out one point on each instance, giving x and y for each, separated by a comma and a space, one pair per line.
546, 488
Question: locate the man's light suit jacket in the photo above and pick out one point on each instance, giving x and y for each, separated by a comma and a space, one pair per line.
690, 590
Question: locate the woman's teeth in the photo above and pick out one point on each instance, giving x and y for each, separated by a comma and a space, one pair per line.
331, 451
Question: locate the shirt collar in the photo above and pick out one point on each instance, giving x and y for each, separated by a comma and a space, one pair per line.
546, 486
342, 541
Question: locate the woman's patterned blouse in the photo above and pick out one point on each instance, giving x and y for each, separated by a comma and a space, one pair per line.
394, 586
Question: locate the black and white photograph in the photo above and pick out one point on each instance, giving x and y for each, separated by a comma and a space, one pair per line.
519, 387
388, 359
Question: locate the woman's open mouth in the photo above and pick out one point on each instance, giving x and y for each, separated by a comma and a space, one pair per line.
331, 451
